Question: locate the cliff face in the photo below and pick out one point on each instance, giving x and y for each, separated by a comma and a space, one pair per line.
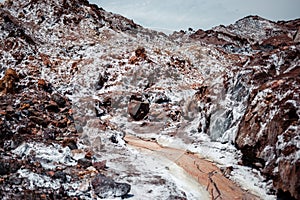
267, 133
75, 79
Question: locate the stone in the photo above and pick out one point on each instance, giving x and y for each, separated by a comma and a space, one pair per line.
4, 169
9, 166
52, 107
276, 41
199, 34
161, 98
106, 187
297, 36
49, 134
8, 82
60, 175
61, 102
39, 121
15, 181
113, 139
102, 79
42, 84
85, 163
101, 165
272, 124
141, 53
138, 110
71, 143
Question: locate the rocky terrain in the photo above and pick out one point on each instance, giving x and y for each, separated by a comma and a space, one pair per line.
95, 106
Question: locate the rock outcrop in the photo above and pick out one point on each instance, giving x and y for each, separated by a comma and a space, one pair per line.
74, 79
268, 130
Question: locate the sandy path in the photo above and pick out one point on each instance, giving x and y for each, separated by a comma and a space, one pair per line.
205, 172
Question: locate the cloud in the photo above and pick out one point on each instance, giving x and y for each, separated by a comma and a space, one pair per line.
182, 14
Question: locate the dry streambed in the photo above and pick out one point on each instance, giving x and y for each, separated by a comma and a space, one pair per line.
205, 172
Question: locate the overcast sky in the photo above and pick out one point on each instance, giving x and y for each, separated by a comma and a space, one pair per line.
205, 14
182, 14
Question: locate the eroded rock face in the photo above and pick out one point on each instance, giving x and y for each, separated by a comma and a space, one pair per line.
266, 87
69, 67
269, 132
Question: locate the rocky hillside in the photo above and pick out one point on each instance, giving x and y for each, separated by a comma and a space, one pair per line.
76, 81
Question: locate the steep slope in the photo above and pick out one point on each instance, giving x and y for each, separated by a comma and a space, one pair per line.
265, 91
76, 79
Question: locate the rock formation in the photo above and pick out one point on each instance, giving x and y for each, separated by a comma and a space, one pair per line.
75, 79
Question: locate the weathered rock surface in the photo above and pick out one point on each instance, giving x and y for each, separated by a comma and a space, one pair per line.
264, 89
137, 108
8, 82
69, 68
269, 131
105, 187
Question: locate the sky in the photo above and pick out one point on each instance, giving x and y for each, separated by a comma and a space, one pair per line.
170, 15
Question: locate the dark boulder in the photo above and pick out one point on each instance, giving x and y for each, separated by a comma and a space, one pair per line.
106, 187
85, 163
9, 166
138, 109
102, 79
60, 100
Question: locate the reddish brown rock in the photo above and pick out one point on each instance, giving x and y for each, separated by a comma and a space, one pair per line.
269, 132
297, 36
141, 53
8, 82
100, 165
276, 41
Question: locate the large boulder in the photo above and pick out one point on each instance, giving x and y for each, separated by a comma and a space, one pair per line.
138, 108
106, 187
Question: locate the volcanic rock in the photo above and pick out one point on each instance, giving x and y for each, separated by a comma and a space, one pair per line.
137, 108
59, 100
8, 82
106, 187
103, 78
270, 129
297, 36
69, 65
